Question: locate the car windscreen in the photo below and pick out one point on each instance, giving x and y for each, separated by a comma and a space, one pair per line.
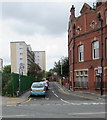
37, 86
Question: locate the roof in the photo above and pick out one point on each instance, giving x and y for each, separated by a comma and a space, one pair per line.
85, 8
18, 42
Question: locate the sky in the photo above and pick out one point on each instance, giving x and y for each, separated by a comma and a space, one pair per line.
42, 24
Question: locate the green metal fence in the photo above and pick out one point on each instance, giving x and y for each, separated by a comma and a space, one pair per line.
24, 83
10, 83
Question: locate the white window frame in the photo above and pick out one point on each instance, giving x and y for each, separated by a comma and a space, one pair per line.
81, 53
81, 79
95, 49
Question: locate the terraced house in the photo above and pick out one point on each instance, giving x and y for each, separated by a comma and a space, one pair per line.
87, 48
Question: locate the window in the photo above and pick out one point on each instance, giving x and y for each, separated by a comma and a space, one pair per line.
81, 79
77, 73
106, 16
21, 58
95, 49
21, 48
81, 53
20, 43
21, 53
97, 80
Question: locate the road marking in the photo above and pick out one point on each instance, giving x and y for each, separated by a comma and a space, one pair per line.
82, 103
27, 100
46, 98
86, 103
53, 91
56, 95
14, 116
10, 105
62, 89
65, 101
87, 113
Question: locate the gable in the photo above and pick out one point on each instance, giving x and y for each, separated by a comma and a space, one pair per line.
85, 8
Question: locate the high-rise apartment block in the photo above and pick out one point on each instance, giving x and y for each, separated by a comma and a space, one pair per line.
40, 59
1, 65
22, 57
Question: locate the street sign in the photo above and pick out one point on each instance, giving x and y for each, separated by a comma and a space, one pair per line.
22, 67
99, 69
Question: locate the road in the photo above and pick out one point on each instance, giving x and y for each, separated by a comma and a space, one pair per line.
57, 103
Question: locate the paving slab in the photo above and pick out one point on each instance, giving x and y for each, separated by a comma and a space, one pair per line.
14, 100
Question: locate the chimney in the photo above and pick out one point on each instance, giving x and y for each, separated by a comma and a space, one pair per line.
72, 12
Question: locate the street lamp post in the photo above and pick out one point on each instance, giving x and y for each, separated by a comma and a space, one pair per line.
21, 68
61, 68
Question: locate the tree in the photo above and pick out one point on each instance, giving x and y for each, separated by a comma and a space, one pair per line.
48, 74
6, 81
64, 63
35, 71
7, 69
65, 67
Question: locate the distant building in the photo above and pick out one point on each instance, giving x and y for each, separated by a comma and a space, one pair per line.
87, 48
30, 56
22, 57
40, 59
1, 65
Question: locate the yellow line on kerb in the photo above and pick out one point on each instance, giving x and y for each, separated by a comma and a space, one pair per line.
78, 95
27, 100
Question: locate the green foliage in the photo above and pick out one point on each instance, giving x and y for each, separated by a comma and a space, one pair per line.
35, 71
7, 69
65, 67
6, 84
48, 74
6, 81
64, 63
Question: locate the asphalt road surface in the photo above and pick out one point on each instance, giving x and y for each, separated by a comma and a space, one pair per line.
56, 104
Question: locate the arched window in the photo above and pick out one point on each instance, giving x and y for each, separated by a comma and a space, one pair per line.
95, 49
106, 16
81, 53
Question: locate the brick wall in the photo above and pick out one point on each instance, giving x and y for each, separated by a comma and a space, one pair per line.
87, 30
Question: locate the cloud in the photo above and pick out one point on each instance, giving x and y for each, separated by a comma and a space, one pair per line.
48, 18
43, 25
55, 47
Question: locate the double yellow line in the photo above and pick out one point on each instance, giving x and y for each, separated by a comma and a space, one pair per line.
77, 95
27, 101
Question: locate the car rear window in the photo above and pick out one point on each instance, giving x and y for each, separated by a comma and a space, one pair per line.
37, 85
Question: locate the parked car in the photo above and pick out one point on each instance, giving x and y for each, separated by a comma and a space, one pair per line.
38, 88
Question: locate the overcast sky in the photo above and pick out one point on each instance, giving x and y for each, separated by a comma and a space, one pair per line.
43, 25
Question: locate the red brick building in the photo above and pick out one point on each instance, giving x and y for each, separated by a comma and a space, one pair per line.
87, 48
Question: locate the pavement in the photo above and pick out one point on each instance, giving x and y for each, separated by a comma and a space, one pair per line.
84, 94
25, 97
14, 100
